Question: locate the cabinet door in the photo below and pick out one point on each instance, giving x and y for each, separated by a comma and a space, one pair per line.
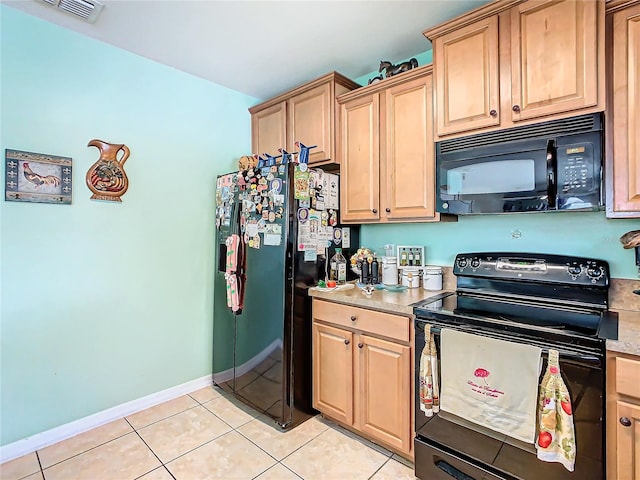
333, 372
408, 170
310, 121
554, 57
360, 159
384, 395
466, 78
626, 111
628, 441
268, 129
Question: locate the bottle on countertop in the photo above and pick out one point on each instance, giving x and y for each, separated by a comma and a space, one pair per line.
375, 271
411, 257
403, 257
338, 270
417, 260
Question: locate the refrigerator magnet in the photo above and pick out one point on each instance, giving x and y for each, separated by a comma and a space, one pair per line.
301, 185
272, 217
337, 236
276, 186
303, 215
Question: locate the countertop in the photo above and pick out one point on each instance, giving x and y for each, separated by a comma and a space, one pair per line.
399, 303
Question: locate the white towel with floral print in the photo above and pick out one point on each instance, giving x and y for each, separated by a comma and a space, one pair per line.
490, 382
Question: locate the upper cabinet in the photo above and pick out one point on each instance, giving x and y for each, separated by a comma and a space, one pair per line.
513, 62
623, 109
305, 114
386, 150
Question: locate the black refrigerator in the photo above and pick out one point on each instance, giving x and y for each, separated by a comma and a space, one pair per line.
286, 215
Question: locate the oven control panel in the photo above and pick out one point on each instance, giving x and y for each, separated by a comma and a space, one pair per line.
543, 268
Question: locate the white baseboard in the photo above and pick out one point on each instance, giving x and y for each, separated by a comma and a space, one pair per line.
49, 437
249, 365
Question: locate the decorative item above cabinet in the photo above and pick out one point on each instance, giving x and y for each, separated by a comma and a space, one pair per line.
305, 114
514, 62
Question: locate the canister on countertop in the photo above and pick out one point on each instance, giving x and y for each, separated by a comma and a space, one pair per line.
411, 277
432, 277
389, 270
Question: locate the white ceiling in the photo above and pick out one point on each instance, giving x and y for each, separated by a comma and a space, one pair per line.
262, 48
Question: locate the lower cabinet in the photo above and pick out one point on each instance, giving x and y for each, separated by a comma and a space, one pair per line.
623, 417
362, 375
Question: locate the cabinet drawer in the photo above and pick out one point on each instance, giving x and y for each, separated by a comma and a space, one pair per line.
378, 323
628, 377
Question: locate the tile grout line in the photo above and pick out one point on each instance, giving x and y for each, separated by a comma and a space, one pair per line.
379, 468
151, 450
39, 463
79, 453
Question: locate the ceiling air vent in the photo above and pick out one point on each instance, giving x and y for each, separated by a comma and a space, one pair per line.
87, 10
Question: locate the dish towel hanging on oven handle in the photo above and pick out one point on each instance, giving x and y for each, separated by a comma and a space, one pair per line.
426, 379
429, 390
491, 382
556, 436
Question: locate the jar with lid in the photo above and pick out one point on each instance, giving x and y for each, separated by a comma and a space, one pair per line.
411, 277
390, 270
432, 277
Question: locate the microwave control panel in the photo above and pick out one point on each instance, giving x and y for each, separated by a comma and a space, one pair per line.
579, 174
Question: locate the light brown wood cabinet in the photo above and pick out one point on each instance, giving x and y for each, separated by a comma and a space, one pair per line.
362, 374
623, 109
386, 156
623, 417
513, 62
305, 114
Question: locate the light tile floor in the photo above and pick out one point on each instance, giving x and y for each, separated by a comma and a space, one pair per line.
209, 435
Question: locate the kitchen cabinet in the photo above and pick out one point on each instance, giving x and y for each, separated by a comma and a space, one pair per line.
305, 114
512, 62
623, 109
362, 375
387, 169
623, 416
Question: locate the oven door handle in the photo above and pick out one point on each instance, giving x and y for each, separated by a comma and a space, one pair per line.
573, 357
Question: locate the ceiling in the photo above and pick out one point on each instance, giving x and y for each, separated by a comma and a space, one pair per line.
262, 48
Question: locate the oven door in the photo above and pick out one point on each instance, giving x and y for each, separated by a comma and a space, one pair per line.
448, 447
509, 177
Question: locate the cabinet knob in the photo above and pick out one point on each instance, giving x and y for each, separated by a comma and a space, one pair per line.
516, 108
374, 210
346, 341
360, 345
388, 210
353, 318
625, 421
493, 113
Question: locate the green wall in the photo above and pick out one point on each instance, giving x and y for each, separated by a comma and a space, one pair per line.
103, 303
587, 234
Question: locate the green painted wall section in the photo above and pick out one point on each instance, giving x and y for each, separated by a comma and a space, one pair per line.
103, 303
587, 234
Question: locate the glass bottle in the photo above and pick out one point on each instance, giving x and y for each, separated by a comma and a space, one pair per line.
411, 256
416, 259
338, 271
403, 257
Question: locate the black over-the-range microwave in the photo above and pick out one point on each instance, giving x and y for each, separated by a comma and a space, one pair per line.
549, 166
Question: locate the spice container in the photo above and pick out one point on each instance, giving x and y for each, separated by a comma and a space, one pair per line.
432, 278
411, 277
389, 270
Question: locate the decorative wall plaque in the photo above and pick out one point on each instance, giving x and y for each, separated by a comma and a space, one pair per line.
106, 178
37, 177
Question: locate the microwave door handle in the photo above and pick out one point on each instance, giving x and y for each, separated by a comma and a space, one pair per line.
552, 170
